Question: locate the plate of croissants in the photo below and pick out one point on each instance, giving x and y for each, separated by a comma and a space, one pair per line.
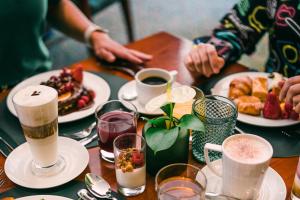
256, 95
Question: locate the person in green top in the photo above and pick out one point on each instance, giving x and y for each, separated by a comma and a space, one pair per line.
22, 50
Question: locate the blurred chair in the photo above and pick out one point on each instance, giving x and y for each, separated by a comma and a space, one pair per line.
91, 7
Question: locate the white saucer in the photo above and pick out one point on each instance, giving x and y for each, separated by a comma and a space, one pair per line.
18, 165
273, 187
46, 197
131, 85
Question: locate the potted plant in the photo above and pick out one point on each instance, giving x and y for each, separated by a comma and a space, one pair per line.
167, 138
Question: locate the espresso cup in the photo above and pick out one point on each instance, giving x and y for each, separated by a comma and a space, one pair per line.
151, 82
245, 159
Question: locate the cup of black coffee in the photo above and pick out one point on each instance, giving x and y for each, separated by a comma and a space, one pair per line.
151, 82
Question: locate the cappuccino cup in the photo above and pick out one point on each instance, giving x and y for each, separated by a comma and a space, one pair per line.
152, 82
245, 160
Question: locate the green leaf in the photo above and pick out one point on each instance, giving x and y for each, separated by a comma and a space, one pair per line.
159, 139
168, 109
192, 122
158, 122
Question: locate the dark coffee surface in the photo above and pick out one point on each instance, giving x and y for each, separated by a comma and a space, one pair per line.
154, 80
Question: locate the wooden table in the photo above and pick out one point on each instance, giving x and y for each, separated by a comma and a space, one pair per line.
168, 52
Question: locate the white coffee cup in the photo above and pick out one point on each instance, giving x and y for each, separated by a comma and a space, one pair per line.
145, 92
245, 160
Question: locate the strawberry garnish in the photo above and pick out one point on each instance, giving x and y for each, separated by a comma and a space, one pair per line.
77, 74
137, 158
272, 108
294, 115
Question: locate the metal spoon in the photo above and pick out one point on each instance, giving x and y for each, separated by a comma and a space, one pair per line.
98, 186
84, 194
82, 134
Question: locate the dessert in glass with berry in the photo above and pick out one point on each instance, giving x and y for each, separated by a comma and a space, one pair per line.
72, 95
130, 158
114, 118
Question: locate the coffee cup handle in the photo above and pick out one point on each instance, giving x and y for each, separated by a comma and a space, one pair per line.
173, 73
212, 147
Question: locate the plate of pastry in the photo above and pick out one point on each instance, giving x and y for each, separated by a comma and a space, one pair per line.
256, 96
79, 92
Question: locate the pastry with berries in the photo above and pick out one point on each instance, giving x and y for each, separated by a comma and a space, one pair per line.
72, 95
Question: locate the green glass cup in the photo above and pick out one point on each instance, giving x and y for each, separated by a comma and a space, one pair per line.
219, 116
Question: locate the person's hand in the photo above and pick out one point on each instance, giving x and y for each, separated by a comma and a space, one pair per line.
204, 60
109, 50
291, 92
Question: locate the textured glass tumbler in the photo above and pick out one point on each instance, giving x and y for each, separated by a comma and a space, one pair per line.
219, 117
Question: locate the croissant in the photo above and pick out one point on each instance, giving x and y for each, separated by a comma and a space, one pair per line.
260, 88
240, 87
250, 105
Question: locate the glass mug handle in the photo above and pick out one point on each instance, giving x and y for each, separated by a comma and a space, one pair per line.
213, 147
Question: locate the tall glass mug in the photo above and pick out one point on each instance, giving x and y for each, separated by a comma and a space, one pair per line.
245, 160
180, 181
37, 110
114, 118
219, 117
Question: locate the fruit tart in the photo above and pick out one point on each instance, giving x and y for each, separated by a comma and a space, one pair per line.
72, 95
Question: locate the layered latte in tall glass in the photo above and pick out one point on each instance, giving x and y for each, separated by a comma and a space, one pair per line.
37, 110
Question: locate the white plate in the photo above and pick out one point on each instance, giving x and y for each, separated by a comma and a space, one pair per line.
130, 86
46, 197
273, 187
18, 165
222, 88
90, 81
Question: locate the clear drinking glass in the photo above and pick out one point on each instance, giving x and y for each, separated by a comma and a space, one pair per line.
180, 181
114, 118
37, 110
130, 163
295, 194
219, 117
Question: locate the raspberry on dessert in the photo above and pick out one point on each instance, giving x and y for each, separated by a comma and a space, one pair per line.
137, 158
92, 94
294, 115
77, 74
272, 108
85, 98
80, 103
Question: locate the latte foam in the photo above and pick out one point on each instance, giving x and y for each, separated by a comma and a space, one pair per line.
247, 149
36, 105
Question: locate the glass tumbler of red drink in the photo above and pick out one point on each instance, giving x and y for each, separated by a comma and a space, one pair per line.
114, 118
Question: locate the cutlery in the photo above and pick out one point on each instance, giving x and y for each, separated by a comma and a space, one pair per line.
3, 153
6, 143
98, 186
88, 140
2, 181
82, 134
239, 130
83, 194
293, 134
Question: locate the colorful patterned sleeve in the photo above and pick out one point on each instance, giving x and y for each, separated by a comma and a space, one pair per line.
241, 29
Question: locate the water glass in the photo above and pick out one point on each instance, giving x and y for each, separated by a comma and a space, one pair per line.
114, 118
219, 116
180, 181
295, 195
37, 110
130, 163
